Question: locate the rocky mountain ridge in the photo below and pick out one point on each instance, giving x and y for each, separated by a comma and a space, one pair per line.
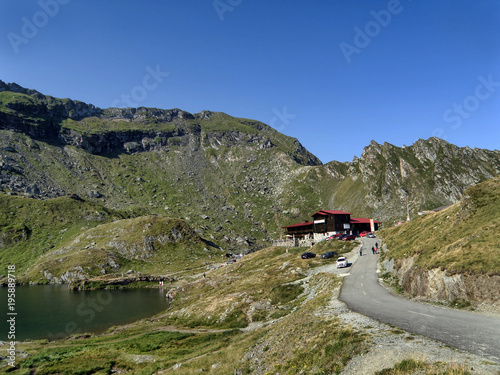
431, 173
236, 181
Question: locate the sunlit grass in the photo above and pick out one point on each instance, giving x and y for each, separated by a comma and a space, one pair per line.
461, 239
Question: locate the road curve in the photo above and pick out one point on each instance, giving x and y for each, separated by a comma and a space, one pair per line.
464, 330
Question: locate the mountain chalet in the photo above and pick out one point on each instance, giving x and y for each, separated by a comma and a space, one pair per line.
328, 222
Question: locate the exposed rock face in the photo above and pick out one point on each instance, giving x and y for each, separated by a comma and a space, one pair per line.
437, 285
431, 173
247, 178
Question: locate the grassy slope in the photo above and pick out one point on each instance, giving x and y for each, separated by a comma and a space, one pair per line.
262, 286
60, 234
30, 227
149, 244
461, 239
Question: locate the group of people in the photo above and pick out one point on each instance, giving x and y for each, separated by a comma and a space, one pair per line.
374, 249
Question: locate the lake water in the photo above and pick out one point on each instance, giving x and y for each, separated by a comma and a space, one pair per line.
53, 311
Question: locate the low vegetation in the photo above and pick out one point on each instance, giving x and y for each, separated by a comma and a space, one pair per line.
203, 328
29, 227
412, 366
340, 247
147, 244
462, 238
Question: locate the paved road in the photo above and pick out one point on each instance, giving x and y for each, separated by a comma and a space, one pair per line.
469, 331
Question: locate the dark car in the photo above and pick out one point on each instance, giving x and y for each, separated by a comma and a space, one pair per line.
342, 236
349, 237
328, 254
308, 255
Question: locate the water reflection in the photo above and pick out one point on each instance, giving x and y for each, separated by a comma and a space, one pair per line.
53, 311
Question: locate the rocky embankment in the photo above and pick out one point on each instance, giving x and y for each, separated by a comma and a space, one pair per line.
437, 285
106, 282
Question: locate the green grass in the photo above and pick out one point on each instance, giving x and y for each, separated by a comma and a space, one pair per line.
460, 239
282, 294
206, 313
97, 126
147, 244
412, 366
340, 247
29, 228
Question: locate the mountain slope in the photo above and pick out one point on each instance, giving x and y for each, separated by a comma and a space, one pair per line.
453, 254
221, 173
29, 227
460, 238
148, 244
236, 181
431, 173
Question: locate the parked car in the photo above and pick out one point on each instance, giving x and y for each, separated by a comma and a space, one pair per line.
342, 262
342, 236
349, 237
370, 235
363, 233
328, 254
308, 255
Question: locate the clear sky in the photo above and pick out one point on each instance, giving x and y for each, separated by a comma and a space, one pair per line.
333, 73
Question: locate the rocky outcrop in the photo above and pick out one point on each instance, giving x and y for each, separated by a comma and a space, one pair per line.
431, 173
440, 286
47, 106
104, 282
172, 162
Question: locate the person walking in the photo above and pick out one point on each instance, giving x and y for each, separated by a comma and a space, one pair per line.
361, 250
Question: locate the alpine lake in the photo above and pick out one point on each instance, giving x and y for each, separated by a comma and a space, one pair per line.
55, 312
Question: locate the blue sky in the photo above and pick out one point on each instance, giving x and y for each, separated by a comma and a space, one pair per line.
333, 73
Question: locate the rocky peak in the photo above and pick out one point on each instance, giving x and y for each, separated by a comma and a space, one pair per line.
47, 106
204, 115
372, 149
142, 114
14, 87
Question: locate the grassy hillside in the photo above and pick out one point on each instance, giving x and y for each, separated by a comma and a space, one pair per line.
29, 227
461, 239
265, 314
201, 329
47, 238
147, 244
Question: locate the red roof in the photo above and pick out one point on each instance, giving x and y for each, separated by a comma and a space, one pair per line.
299, 225
362, 220
331, 212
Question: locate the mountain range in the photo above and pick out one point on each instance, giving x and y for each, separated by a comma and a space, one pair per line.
236, 181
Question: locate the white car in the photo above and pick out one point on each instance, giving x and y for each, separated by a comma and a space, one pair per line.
342, 262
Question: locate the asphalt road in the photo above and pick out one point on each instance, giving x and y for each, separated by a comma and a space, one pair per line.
468, 331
